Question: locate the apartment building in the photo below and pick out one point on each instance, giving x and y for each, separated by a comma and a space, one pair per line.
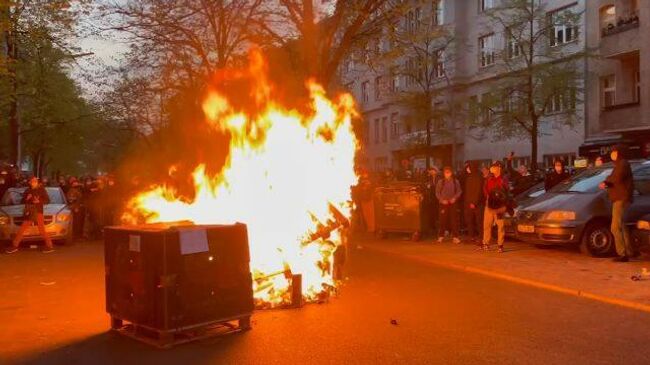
618, 95
390, 132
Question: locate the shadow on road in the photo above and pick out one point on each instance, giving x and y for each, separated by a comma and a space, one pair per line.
112, 348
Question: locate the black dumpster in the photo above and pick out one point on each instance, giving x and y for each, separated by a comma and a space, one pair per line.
167, 280
399, 208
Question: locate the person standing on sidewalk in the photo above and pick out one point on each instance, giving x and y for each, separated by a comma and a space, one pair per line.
34, 198
448, 192
473, 200
620, 188
496, 193
431, 201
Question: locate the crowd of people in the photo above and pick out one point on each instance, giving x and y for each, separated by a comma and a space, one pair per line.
94, 201
472, 200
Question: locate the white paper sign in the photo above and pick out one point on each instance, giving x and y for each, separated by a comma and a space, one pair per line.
193, 241
134, 243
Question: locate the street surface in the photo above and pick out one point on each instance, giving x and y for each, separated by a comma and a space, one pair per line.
52, 312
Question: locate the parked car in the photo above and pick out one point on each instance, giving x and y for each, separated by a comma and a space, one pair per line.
578, 212
57, 216
641, 233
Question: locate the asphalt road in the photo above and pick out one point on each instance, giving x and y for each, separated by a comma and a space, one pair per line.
441, 316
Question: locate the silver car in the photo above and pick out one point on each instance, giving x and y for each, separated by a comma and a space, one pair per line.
57, 214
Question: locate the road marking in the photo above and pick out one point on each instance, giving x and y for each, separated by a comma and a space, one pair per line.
515, 279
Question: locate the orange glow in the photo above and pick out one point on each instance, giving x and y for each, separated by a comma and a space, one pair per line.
284, 173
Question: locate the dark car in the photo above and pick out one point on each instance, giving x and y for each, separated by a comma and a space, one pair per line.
578, 212
641, 233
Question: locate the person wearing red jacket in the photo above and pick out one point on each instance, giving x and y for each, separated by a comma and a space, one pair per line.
496, 193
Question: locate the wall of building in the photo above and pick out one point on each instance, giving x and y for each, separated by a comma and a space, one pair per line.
468, 24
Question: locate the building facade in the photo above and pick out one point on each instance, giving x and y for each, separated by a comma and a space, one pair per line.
618, 94
610, 106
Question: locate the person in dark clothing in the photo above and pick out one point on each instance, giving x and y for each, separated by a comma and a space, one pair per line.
556, 176
91, 202
63, 184
473, 200
430, 200
521, 179
448, 192
75, 201
34, 198
620, 188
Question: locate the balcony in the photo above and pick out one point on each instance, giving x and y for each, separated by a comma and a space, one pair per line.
622, 37
621, 25
621, 117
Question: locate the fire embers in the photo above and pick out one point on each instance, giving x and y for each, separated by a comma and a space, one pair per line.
287, 176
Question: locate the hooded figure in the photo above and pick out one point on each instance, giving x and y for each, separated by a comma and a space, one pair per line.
473, 199
556, 176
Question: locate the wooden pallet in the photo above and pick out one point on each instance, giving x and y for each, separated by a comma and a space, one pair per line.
165, 339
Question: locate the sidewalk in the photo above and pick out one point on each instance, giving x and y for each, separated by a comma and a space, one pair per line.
559, 269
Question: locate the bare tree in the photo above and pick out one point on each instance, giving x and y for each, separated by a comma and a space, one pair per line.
325, 32
539, 72
417, 62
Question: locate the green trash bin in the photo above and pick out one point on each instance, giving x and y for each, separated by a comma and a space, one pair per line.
399, 209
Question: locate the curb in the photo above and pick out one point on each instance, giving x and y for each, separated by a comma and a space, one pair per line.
528, 282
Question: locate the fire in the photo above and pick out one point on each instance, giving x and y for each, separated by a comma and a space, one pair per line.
288, 177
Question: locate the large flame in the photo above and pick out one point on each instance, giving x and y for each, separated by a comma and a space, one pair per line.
288, 177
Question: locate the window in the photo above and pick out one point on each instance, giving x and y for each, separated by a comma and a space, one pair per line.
384, 129
608, 17
486, 107
381, 163
349, 64
394, 126
637, 86
366, 133
418, 19
486, 47
439, 124
378, 85
563, 30
438, 15
410, 72
608, 85
473, 109
512, 101
364, 91
439, 63
562, 101
484, 5
514, 49
377, 130
394, 80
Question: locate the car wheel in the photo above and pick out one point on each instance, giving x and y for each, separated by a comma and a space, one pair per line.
598, 240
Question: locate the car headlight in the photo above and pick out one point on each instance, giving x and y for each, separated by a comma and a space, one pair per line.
63, 217
645, 225
560, 215
4, 220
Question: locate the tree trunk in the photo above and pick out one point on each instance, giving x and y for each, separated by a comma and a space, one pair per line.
427, 154
14, 123
533, 144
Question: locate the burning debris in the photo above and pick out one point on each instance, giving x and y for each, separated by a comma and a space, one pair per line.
287, 176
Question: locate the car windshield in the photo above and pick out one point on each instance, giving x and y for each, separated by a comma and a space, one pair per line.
586, 182
15, 196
